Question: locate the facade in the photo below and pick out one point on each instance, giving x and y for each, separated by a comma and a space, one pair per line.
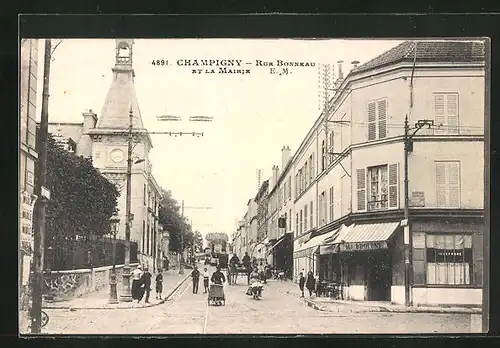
105, 141
259, 249
343, 192
27, 158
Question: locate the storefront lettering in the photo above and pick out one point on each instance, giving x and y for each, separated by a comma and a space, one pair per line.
363, 246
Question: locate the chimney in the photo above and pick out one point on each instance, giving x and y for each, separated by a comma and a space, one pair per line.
354, 64
341, 74
285, 156
276, 170
89, 120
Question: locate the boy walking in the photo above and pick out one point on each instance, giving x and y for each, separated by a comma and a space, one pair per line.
302, 282
206, 277
196, 279
159, 284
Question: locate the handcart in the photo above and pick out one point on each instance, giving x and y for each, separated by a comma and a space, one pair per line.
216, 295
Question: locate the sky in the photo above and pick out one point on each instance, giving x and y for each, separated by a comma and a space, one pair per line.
254, 114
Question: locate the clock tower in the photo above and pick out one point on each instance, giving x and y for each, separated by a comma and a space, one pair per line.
110, 141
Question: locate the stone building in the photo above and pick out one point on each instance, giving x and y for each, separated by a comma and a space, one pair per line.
27, 156
103, 138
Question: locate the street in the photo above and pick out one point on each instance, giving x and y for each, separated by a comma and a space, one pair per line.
188, 313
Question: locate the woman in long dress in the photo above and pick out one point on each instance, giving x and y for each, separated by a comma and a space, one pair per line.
136, 283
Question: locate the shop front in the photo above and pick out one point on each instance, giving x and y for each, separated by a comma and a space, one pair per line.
447, 262
363, 257
282, 254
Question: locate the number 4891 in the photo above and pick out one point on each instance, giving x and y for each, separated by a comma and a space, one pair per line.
159, 62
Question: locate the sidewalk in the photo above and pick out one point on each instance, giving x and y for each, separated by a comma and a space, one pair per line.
172, 280
329, 305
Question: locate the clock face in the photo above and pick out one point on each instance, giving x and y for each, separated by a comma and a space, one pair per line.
117, 155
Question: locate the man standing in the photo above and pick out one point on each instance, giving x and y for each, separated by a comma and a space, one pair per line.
246, 264
196, 279
146, 281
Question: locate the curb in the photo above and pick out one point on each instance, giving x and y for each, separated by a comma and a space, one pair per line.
314, 305
165, 299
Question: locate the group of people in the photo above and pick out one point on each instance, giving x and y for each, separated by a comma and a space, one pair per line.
310, 282
217, 278
141, 284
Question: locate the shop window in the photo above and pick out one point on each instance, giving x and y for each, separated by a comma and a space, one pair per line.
449, 259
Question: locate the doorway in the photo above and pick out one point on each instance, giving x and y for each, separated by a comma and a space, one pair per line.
379, 276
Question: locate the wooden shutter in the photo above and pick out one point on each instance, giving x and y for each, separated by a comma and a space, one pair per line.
372, 121
361, 189
439, 114
453, 169
452, 113
382, 119
393, 185
440, 184
477, 257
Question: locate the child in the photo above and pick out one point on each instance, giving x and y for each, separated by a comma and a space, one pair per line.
159, 284
302, 281
206, 276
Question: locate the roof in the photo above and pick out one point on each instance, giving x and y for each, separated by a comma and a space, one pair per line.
428, 50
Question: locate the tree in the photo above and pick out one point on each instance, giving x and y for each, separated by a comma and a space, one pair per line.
198, 241
82, 201
172, 221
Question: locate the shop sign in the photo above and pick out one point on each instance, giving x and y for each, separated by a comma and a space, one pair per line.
417, 199
448, 253
419, 240
363, 246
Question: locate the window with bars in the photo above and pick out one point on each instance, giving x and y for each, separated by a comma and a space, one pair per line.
332, 203
377, 119
447, 184
446, 113
377, 187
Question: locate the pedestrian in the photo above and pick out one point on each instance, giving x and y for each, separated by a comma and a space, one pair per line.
302, 281
218, 277
310, 283
195, 274
206, 277
159, 284
247, 265
146, 282
136, 282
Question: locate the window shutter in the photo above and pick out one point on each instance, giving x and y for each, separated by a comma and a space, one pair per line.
440, 184
382, 119
454, 184
361, 189
393, 186
439, 114
452, 113
372, 122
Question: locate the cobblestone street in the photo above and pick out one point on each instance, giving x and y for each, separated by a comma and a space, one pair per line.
188, 313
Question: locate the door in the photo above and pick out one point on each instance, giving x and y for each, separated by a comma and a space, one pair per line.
379, 277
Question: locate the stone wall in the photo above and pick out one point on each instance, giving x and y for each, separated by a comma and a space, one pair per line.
65, 285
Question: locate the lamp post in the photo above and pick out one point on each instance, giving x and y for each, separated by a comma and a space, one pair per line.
113, 295
408, 148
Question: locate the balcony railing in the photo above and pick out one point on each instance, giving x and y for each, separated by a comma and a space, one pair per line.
377, 204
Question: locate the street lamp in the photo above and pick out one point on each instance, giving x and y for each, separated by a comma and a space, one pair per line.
408, 148
113, 295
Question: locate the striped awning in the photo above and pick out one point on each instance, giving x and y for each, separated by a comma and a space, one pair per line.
313, 245
330, 245
367, 237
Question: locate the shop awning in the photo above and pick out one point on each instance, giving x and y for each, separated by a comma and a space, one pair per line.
367, 237
331, 244
312, 246
282, 238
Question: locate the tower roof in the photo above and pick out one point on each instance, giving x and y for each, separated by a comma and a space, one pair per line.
121, 95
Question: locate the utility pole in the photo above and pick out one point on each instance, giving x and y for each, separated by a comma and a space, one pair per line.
181, 259
408, 240
126, 295
41, 192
